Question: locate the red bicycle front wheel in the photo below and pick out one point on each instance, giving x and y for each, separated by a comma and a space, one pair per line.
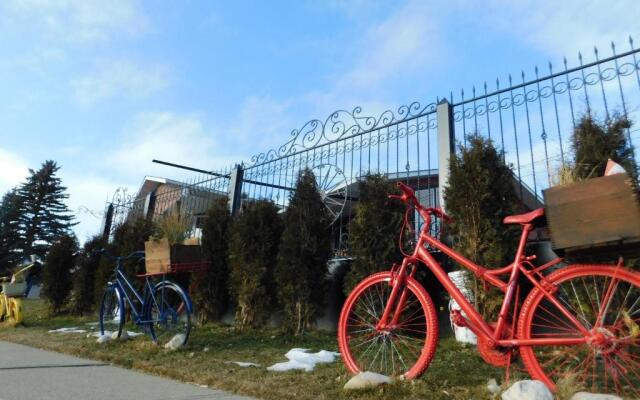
606, 301
404, 350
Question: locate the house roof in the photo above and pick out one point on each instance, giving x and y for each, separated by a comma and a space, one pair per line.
151, 183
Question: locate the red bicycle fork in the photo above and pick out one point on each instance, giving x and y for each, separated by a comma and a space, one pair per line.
398, 282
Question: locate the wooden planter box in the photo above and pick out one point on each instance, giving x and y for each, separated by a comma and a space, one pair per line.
598, 214
160, 257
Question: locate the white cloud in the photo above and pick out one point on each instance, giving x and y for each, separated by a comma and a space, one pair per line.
78, 20
87, 198
119, 79
562, 28
13, 170
169, 137
402, 43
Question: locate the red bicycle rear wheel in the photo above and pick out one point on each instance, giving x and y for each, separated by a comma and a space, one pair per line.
401, 351
606, 300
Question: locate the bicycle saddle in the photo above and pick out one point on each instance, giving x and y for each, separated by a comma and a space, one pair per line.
525, 218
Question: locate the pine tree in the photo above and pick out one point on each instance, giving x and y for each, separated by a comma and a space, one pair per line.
252, 257
84, 276
209, 287
56, 274
480, 193
10, 244
373, 233
44, 216
304, 252
593, 142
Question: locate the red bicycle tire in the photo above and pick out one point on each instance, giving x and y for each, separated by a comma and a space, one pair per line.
547, 322
428, 348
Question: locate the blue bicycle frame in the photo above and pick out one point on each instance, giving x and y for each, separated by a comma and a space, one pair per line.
133, 297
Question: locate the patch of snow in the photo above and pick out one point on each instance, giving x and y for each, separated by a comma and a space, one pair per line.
68, 330
92, 323
243, 364
302, 359
527, 390
365, 380
593, 396
129, 334
176, 342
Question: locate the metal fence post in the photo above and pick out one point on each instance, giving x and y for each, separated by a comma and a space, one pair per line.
446, 145
235, 189
108, 220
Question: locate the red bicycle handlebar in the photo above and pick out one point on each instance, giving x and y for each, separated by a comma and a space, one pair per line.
408, 195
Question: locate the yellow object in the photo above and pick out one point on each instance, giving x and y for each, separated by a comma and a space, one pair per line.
15, 312
10, 304
3, 306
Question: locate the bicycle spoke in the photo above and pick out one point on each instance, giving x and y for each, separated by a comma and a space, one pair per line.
394, 349
604, 299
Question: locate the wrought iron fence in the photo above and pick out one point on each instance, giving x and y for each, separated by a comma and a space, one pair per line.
341, 150
530, 120
158, 197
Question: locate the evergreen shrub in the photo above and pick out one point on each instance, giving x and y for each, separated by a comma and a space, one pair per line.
305, 248
253, 254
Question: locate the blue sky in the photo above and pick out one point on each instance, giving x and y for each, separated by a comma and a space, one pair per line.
104, 87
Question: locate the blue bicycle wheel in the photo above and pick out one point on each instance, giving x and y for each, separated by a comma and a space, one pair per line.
111, 311
169, 310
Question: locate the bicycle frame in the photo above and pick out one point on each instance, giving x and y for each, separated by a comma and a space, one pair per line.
124, 287
474, 320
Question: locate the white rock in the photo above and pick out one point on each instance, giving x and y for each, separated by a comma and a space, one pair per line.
123, 335
492, 386
593, 396
176, 342
365, 380
103, 338
527, 390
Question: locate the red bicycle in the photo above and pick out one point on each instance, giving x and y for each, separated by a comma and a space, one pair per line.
578, 320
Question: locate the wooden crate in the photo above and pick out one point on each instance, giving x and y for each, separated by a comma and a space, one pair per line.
598, 214
160, 256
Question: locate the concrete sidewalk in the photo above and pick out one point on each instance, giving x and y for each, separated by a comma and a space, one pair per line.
31, 374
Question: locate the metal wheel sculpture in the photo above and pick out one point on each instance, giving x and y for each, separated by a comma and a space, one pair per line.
332, 185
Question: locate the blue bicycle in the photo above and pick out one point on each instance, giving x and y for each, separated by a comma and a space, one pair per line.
163, 310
